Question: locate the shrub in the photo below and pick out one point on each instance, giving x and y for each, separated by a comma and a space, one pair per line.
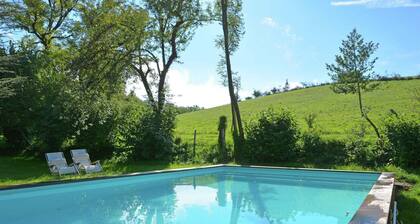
272, 137
359, 151
152, 136
367, 152
310, 120
404, 136
121, 157
181, 152
211, 154
317, 150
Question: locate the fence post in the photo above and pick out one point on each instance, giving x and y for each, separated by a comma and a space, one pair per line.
195, 142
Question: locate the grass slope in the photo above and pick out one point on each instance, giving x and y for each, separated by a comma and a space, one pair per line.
337, 114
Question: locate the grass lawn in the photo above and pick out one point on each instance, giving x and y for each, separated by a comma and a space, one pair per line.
19, 170
337, 114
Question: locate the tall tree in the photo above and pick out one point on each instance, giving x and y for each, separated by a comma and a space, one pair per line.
353, 70
230, 17
106, 38
171, 27
46, 19
8, 80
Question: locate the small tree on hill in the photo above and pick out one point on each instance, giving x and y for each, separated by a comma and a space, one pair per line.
286, 86
257, 93
353, 70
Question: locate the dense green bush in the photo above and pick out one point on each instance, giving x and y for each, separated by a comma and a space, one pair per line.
152, 136
272, 137
181, 152
212, 154
403, 134
317, 150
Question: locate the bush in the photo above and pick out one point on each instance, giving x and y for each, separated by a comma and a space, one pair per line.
152, 136
181, 152
272, 137
404, 137
359, 151
317, 150
121, 157
211, 154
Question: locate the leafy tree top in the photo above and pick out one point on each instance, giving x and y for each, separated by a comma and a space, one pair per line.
353, 69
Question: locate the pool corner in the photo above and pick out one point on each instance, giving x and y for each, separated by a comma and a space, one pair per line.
376, 208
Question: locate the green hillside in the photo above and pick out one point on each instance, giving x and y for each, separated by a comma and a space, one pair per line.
337, 115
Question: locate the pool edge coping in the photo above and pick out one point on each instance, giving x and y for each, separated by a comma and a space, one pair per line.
375, 208
377, 205
66, 181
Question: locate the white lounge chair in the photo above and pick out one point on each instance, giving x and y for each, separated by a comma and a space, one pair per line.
57, 164
82, 160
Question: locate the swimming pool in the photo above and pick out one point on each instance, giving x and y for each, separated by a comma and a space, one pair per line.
198, 196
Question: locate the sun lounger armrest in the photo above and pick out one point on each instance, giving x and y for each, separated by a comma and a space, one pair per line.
97, 162
52, 167
75, 165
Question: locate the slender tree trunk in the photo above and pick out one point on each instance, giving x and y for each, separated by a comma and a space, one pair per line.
235, 129
364, 115
236, 116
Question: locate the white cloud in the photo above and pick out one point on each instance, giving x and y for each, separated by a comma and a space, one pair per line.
184, 92
269, 21
285, 30
378, 3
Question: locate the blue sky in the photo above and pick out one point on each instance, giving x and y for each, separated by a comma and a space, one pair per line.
293, 39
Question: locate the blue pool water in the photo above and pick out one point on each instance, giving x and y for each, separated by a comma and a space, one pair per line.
212, 195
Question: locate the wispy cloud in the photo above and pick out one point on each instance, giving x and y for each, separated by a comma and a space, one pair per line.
268, 21
286, 30
378, 3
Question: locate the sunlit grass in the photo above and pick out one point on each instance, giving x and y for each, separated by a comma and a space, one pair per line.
21, 170
337, 115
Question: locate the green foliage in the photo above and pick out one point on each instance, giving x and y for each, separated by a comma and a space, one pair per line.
235, 23
151, 137
319, 151
46, 20
310, 120
353, 68
105, 40
272, 137
8, 80
73, 90
353, 71
206, 154
181, 152
404, 136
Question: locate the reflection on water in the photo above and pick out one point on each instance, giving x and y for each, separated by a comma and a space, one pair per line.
220, 197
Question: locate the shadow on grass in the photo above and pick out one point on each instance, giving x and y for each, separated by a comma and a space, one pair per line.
21, 168
409, 207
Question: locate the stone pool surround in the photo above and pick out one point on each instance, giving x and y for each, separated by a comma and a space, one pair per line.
375, 209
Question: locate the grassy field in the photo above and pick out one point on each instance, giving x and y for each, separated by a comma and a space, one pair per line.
20, 170
337, 115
